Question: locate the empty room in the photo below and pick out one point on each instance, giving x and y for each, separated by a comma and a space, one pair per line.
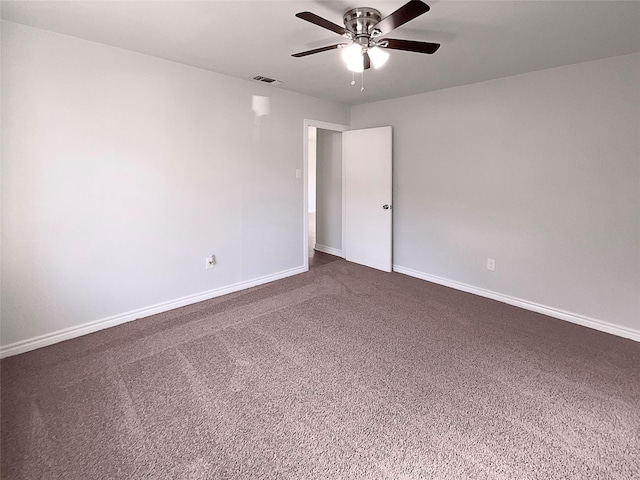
391, 240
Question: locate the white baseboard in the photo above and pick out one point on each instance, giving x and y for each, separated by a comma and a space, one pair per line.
96, 325
329, 250
527, 305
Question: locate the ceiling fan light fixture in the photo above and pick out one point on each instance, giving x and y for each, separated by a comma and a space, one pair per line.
352, 54
357, 66
378, 56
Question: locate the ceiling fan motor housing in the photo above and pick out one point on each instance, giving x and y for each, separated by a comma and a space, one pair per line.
360, 21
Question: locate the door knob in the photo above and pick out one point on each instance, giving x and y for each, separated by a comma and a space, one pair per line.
386, 207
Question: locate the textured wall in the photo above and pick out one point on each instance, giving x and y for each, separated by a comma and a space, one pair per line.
539, 171
121, 172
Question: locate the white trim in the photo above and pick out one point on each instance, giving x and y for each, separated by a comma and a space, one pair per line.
527, 305
344, 201
329, 250
96, 325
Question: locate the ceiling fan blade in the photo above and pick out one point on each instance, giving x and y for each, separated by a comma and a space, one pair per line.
367, 61
321, 22
410, 45
404, 14
318, 50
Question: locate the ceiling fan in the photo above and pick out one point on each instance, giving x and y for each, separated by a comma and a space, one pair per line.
366, 28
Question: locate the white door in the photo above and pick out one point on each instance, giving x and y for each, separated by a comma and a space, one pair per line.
368, 219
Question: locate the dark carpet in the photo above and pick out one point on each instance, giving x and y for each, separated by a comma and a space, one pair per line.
340, 373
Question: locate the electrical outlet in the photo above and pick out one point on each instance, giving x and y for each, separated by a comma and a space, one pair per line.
491, 264
209, 261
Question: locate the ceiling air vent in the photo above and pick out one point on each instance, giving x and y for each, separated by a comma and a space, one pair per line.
263, 79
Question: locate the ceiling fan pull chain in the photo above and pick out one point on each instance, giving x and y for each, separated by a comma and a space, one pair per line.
362, 88
353, 78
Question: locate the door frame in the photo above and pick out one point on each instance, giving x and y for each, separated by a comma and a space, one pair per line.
335, 127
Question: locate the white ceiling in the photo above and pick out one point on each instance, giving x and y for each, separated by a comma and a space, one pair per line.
481, 40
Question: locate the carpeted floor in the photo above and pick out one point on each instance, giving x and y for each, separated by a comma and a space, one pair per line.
340, 373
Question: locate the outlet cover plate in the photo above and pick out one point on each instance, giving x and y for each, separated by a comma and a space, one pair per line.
491, 264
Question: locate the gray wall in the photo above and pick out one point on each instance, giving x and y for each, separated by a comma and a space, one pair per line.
121, 172
540, 171
329, 190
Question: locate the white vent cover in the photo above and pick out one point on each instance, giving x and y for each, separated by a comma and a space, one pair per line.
263, 79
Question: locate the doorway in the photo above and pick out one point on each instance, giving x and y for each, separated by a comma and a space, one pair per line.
351, 174
325, 196
323, 193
